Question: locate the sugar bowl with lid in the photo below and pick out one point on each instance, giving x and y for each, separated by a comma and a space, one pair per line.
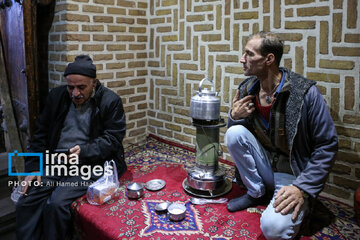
135, 190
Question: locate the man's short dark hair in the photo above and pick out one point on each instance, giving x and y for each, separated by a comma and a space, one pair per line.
270, 43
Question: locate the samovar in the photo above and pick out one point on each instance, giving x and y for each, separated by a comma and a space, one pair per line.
206, 178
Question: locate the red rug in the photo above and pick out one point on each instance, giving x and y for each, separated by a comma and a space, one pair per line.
122, 218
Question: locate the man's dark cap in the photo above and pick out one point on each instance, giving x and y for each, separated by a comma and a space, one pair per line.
82, 65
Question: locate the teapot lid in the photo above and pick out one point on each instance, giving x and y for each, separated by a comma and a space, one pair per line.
134, 186
206, 92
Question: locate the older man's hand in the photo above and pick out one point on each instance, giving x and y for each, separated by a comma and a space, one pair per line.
288, 198
75, 150
27, 182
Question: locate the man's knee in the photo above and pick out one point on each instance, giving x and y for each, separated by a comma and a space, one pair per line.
234, 133
276, 226
20, 206
24, 202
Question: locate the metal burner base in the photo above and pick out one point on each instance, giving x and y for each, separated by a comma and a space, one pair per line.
221, 190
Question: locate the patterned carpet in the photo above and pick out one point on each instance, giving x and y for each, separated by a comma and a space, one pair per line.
122, 218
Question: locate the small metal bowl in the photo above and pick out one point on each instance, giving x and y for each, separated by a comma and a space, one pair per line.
135, 190
162, 207
176, 211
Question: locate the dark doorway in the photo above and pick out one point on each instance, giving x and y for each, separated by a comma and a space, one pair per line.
24, 30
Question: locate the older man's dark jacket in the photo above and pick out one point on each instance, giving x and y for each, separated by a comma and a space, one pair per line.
107, 128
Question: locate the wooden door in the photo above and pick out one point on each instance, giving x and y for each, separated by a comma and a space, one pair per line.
13, 45
24, 27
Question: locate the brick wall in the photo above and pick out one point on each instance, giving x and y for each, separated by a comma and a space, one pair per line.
154, 53
115, 34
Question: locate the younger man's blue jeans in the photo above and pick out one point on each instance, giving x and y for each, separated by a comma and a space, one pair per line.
253, 164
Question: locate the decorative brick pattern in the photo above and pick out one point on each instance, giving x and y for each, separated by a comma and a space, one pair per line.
154, 54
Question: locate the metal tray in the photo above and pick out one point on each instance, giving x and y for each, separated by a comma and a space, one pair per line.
155, 184
225, 188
